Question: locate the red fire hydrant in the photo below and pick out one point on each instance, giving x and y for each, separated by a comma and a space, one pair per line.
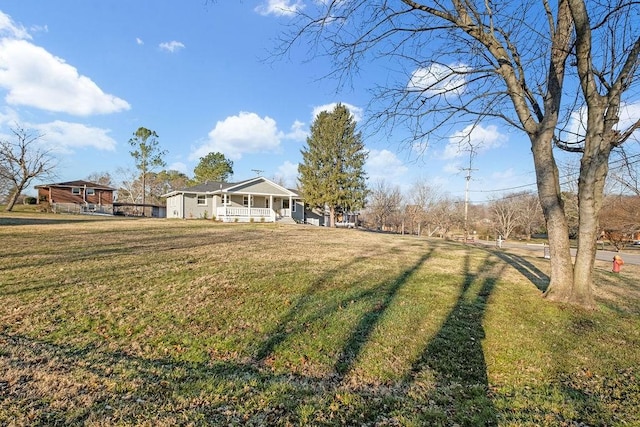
617, 263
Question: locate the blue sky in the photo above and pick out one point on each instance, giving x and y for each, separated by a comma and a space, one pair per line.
88, 74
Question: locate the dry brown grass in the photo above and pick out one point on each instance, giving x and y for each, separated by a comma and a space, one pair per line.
155, 322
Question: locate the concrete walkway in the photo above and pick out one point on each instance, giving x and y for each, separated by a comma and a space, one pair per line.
629, 257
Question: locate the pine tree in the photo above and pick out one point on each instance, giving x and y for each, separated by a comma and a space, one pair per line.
332, 171
213, 167
147, 154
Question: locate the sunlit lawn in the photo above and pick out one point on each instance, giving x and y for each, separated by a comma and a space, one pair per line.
111, 321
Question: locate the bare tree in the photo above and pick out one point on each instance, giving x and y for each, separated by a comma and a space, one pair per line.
626, 172
516, 212
130, 186
506, 61
102, 178
531, 217
445, 215
383, 201
21, 161
422, 199
620, 219
413, 217
505, 215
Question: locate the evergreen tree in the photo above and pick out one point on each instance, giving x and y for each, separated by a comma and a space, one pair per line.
332, 171
146, 153
213, 167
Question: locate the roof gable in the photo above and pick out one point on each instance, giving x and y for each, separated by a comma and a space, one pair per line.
260, 185
257, 185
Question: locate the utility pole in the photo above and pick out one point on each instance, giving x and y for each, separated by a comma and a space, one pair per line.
466, 193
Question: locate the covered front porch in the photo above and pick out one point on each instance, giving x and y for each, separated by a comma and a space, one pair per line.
242, 214
254, 208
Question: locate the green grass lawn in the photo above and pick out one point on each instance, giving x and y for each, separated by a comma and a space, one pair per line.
112, 321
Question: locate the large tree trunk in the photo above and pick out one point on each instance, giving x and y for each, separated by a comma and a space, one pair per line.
16, 193
12, 200
561, 284
332, 216
593, 171
594, 167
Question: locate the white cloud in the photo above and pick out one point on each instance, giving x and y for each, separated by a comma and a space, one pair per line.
383, 164
242, 134
179, 166
64, 136
11, 29
9, 117
33, 77
500, 176
629, 114
452, 167
280, 7
39, 29
576, 129
297, 132
438, 79
477, 136
356, 112
139, 41
172, 46
288, 172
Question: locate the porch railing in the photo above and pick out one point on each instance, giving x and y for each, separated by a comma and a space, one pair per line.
245, 214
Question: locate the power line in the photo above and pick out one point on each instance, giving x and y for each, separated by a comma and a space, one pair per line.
569, 175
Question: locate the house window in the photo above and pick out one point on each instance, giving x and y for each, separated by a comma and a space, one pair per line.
293, 208
91, 191
266, 203
202, 200
285, 203
225, 199
75, 190
245, 201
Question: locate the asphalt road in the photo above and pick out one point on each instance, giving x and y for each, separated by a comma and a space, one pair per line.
629, 257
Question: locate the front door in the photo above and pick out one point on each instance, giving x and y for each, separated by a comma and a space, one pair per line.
286, 209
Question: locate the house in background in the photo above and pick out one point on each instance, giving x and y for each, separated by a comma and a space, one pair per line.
257, 199
76, 197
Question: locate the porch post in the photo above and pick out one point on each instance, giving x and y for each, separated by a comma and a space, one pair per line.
249, 206
225, 201
273, 211
290, 207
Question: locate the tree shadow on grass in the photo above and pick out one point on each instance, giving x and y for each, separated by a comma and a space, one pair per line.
525, 267
454, 362
8, 290
368, 320
291, 322
44, 383
11, 220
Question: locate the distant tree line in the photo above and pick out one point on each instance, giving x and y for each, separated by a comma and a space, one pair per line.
426, 211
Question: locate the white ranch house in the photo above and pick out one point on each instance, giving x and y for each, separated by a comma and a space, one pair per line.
257, 200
